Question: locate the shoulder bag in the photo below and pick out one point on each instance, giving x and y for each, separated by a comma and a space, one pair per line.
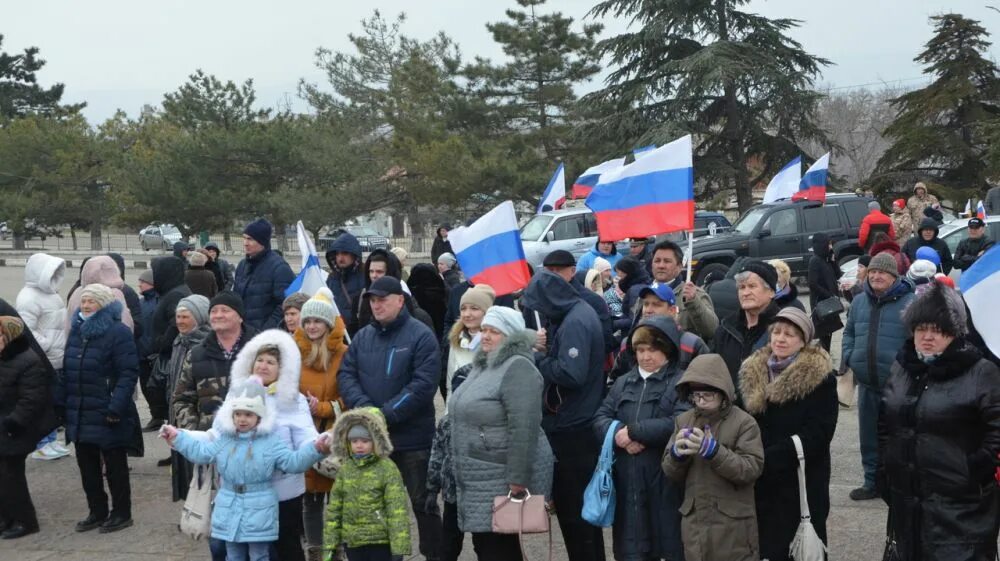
527, 515
599, 497
806, 546
196, 516
826, 315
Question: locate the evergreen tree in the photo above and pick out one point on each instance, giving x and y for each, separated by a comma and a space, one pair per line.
733, 79
946, 130
20, 93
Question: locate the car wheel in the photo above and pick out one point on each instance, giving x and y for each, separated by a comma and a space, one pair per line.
711, 273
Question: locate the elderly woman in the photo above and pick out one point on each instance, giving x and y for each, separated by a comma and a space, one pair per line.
447, 265
464, 338
100, 269
99, 378
320, 340
26, 414
292, 310
191, 317
496, 438
273, 356
645, 401
789, 388
939, 435
742, 333
787, 294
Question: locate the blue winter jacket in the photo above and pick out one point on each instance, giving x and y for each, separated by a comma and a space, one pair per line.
261, 282
246, 508
396, 368
347, 284
875, 332
586, 260
100, 371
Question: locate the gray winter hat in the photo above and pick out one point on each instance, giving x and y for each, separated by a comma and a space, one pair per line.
503, 319
197, 305
359, 431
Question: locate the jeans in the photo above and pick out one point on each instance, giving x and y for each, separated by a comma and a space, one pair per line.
413, 467
496, 547
15, 500
868, 400
313, 506
289, 544
257, 551
576, 454
217, 548
452, 537
369, 553
88, 458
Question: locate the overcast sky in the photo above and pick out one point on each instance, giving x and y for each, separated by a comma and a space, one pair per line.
124, 54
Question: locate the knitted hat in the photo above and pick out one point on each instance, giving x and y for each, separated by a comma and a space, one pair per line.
197, 259
481, 296
260, 230
359, 431
197, 305
11, 328
930, 254
296, 300
945, 280
799, 319
885, 263
765, 271
400, 254
939, 305
901, 203
601, 264
559, 258
921, 269
100, 293
320, 307
231, 299
447, 259
503, 319
250, 397
146, 277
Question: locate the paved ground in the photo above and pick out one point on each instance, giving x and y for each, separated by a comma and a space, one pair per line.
856, 529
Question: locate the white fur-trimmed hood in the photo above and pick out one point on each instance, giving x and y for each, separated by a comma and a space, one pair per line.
290, 368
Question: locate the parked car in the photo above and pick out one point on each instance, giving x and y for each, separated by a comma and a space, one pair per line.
367, 237
159, 236
31, 230
782, 230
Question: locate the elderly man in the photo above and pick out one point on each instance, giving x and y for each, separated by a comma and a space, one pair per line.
972, 248
262, 277
394, 363
696, 311
744, 332
873, 335
920, 200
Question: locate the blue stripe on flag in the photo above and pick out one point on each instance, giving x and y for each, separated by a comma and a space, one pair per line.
666, 186
495, 250
984, 267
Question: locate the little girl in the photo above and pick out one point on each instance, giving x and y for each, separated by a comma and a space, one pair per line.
246, 453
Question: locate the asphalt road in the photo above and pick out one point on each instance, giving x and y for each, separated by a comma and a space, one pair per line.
856, 530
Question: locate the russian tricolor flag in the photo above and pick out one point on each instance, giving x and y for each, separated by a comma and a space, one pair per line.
653, 195
588, 180
312, 277
980, 285
813, 184
490, 252
981, 211
555, 194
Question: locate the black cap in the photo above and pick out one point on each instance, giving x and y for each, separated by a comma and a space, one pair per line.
765, 271
385, 286
976, 222
231, 299
559, 258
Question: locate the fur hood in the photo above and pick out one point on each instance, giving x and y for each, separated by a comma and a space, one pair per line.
517, 344
290, 367
225, 414
803, 376
97, 324
372, 420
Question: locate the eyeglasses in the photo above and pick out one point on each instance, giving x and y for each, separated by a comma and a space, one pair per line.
703, 396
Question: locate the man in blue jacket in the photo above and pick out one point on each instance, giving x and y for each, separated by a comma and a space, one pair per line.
394, 364
346, 280
570, 356
261, 278
872, 337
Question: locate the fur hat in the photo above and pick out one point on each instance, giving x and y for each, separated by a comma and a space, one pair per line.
938, 305
503, 319
100, 293
11, 328
885, 263
480, 296
799, 319
321, 307
260, 230
648, 335
197, 259
295, 300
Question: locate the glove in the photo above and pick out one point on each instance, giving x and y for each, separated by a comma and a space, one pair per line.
12, 427
112, 419
709, 445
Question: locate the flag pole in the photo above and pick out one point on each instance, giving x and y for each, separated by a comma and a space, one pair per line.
690, 252
538, 320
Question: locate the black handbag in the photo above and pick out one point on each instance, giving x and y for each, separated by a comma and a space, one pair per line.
826, 315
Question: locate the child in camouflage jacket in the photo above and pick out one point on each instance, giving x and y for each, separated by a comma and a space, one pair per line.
367, 510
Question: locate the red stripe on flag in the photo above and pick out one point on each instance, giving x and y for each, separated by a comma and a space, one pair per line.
811, 194
581, 191
646, 220
506, 278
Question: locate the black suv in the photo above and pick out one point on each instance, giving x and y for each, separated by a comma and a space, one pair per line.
782, 230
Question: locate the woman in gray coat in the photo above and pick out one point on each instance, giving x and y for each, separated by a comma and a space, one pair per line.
498, 446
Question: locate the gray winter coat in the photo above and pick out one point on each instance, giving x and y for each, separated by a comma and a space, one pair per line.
496, 437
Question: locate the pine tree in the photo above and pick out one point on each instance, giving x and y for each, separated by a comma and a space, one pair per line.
733, 79
20, 93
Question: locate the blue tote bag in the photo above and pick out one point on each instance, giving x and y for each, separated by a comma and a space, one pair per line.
599, 497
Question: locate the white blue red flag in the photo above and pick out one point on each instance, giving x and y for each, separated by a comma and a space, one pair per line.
312, 277
644, 151
588, 179
555, 194
490, 252
980, 285
813, 184
785, 183
653, 195
981, 211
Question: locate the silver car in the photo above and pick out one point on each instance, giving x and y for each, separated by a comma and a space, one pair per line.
159, 236
572, 229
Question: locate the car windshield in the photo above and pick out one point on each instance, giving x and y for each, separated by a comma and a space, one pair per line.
748, 221
362, 231
169, 229
531, 231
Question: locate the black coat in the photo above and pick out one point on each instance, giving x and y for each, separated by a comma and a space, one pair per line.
429, 291
735, 342
801, 401
823, 272
438, 247
936, 243
168, 281
939, 435
25, 399
968, 251
789, 298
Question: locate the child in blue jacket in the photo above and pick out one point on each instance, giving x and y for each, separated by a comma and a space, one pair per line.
246, 454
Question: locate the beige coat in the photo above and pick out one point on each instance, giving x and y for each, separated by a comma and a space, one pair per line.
903, 223
719, 515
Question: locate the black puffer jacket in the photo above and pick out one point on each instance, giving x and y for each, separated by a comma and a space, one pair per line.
939, 435
735, 342
168, 280
823, 271
25, 398
918, 241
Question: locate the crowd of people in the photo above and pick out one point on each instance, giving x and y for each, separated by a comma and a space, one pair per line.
703, 399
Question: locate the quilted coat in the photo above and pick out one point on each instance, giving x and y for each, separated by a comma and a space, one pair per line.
41, 307
261, 281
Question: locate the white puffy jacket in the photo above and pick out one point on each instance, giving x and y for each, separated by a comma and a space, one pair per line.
41, 307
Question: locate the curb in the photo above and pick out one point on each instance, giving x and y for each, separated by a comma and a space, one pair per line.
70, 263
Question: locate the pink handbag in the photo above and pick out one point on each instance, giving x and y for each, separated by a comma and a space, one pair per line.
521, 516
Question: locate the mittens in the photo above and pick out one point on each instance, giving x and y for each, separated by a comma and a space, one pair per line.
709, 445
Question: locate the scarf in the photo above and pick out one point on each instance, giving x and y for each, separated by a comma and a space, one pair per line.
776, 366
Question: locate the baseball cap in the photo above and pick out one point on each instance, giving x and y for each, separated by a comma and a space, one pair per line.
662, 291
385, 286
976, 222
